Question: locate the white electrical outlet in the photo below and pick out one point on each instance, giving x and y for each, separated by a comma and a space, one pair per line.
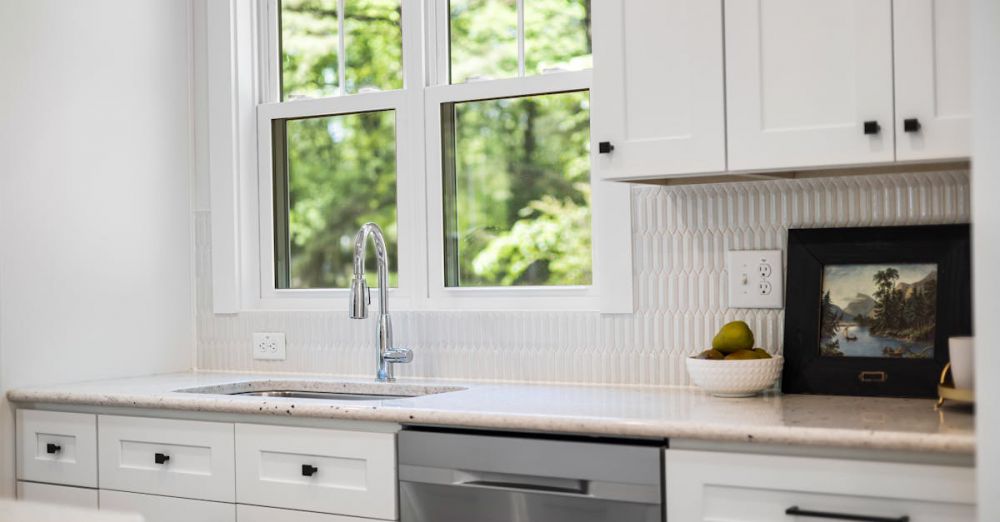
756, 279
269, 346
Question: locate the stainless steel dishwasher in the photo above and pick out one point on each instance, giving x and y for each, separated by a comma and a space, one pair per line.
463, 477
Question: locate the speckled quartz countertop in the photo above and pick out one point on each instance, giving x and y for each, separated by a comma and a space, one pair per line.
615, 411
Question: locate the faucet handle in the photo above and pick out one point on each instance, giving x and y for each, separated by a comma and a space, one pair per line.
398, 355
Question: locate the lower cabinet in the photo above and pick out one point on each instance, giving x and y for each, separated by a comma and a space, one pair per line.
197, 471
340, 472
155, 508
62, 495
264, 514
720, 486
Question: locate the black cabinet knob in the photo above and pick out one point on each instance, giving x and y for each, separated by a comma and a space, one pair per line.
911, 125
308, 471
52, 448
872, 127
160, 458
605, 147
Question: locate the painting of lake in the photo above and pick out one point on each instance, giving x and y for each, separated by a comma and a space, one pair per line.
878, 311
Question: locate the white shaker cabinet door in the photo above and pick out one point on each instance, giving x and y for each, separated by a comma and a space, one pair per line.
52, 494
155, 508
658, 88
932, 50
803, 77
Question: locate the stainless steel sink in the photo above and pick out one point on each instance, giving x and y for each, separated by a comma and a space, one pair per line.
322, 390
335, 396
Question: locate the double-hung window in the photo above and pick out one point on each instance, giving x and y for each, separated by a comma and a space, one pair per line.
461, 127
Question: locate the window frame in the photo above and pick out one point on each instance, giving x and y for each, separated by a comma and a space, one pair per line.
243, 99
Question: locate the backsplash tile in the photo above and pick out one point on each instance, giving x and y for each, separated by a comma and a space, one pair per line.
681, 237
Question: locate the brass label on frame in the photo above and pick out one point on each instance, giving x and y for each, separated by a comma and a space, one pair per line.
873, 376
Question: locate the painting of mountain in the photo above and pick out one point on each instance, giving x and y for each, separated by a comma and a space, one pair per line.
861, 305
879, 311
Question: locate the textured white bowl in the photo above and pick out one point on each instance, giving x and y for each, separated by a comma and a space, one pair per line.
735, 378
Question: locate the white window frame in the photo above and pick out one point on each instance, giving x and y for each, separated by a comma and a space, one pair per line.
242, 92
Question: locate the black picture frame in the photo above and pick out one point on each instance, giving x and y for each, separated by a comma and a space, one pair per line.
811, 250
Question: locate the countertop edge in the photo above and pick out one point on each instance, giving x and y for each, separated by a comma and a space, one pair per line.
596, 426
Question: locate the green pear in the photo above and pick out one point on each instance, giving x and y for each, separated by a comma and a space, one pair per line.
733, 337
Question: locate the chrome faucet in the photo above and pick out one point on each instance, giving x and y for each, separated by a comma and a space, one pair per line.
361, 297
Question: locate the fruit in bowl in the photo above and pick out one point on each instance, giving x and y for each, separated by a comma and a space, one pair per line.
733, 367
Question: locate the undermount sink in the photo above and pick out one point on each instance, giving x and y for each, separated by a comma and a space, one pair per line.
322, 390
293, 394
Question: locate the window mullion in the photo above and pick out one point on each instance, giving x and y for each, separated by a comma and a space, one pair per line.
342, 49
520, 39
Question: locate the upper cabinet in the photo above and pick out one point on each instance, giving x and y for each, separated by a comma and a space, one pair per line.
658, 102
933, 90
699, 87
808, 83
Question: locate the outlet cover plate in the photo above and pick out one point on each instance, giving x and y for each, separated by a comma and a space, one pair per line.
269, 346
756, 278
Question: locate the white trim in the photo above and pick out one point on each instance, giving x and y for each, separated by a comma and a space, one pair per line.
240, 168
232, 95
611, 291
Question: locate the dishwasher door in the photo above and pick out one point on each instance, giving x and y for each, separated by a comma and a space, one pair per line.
458, 477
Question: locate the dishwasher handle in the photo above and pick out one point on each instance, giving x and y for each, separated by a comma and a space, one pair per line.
521, 482
640, 493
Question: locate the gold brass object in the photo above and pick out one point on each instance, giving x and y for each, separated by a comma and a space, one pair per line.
870, 376
948, 391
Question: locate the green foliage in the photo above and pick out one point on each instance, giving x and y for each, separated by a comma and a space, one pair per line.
341, 174
521, 174
551, 245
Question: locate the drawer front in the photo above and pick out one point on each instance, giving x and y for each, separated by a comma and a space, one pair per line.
190, 459
719, 486
749, 504
264, 514
57, 447
62, 495
154, 508
329, 471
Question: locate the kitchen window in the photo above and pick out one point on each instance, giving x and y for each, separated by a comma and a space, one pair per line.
462, 128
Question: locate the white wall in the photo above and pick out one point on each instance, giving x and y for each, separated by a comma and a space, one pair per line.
986, 244
95, 215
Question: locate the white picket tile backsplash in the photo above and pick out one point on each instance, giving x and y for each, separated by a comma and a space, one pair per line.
681, 237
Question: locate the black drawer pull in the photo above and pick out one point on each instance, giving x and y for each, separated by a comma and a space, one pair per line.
52, 448
795, 511
872, 127
911, 125
160, 458
308, 471
605, 147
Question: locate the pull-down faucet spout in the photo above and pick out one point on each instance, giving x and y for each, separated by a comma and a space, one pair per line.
360, 298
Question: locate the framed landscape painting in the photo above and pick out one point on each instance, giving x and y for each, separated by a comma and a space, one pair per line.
869, 310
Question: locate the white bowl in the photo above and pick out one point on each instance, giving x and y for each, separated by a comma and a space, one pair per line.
735, 378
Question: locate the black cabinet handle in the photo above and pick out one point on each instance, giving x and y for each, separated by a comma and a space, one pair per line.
52, 448
911, 125
872, 127
160, 458
794, 510
308, 471
605, 147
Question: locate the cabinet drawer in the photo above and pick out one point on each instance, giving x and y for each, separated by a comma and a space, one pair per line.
62, 495
263, 514
191, 459
57, 447
330, 471
718, 486
154, 508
